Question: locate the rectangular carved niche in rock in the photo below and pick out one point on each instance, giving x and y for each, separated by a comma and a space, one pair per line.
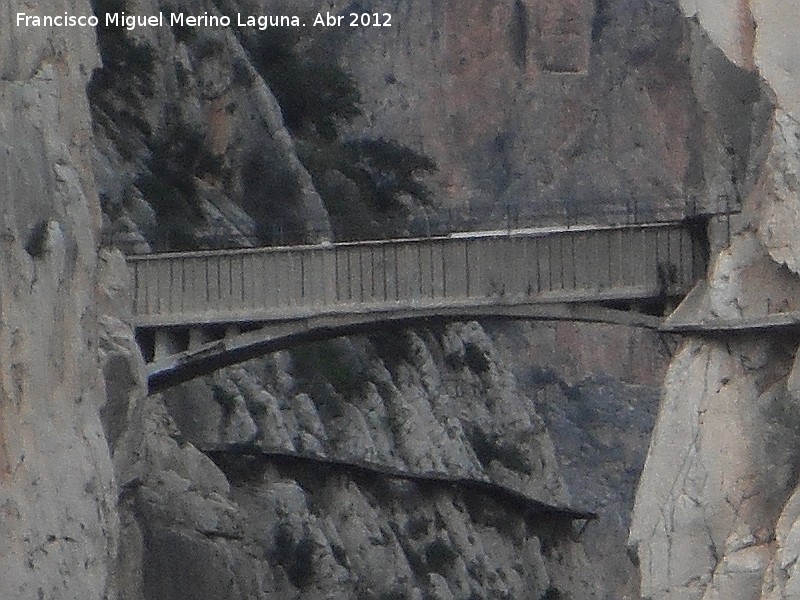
562, 34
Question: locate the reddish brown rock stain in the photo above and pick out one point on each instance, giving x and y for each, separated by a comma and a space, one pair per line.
747, 33
219, 125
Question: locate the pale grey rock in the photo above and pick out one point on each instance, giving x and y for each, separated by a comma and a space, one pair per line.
732, 30
60, 523
779, 200
775, 56
793, 381
706, 506
740, 573
201, 471
364, 533
183, 526
745, 284
694, 483
438, 588
240, 428
781, 582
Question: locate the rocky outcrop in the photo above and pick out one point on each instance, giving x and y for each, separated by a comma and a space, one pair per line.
720, 467
393, 403
357, 459
715, 512
58, 517
191, 145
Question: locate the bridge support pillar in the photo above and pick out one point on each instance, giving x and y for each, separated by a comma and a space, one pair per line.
166, 343
197, 337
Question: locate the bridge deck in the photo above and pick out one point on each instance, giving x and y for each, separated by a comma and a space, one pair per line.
279, 284
198, 311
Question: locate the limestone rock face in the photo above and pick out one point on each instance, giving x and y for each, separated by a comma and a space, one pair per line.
57, 498
474, 87
715, 513
191, 143
357, 460
780, 190
775, 56
411, 416
720, 467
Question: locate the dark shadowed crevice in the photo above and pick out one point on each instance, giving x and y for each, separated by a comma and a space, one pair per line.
519, 32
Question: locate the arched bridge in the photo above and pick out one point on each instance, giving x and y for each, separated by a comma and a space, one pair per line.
198, 311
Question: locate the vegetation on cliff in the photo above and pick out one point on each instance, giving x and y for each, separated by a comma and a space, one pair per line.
369, 187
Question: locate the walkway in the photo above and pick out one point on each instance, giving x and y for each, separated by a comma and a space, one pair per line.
197, 311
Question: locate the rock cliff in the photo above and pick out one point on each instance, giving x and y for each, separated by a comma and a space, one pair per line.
715, 514
58, 513
432, 462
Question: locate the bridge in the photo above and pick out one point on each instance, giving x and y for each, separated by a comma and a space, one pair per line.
195, 312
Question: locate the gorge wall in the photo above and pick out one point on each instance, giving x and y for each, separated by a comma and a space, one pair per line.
411, 463
58, 516
716, 513
449, 119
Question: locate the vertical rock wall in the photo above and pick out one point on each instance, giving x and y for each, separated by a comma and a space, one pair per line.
57, 506
716, 508
577, 106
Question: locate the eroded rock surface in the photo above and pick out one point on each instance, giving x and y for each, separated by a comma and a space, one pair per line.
715, 510
57, 494
323, 447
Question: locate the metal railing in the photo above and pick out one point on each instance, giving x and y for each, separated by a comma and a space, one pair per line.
443, 221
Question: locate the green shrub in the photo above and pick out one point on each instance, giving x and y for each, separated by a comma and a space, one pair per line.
128, 65
312, 88
322, 362
374, 178
316, 95
388, 169
179, 156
